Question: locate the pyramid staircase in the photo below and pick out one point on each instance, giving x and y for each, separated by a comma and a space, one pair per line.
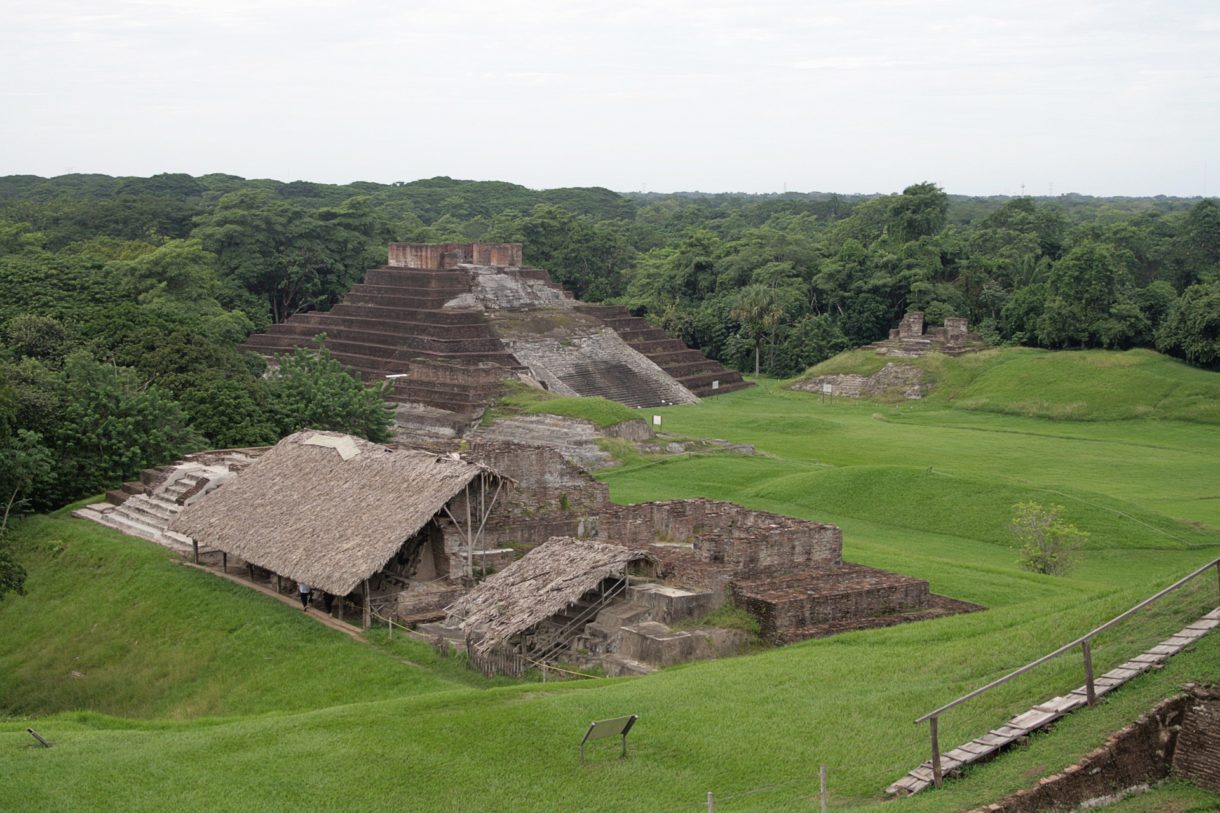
395, 324
692, 369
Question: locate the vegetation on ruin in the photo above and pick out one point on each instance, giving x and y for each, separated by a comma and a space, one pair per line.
240, 702
521, 399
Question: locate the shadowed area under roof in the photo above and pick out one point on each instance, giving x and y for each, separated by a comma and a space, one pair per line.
305, 512
549, 578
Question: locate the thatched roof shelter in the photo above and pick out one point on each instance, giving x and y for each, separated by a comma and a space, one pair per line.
328, 509
549, 578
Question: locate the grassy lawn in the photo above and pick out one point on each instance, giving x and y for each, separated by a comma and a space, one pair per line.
195, 694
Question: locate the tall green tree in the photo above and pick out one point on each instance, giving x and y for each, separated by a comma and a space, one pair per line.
759, 309
310, 390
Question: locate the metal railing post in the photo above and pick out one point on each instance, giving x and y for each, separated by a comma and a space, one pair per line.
1089, 689
936, 772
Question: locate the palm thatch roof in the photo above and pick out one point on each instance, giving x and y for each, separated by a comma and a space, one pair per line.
549, 578
327, 509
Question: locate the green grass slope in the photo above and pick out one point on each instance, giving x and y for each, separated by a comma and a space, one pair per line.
313, 719
118, 626
1092, 385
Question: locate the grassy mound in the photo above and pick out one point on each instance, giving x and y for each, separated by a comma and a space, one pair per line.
1089, 385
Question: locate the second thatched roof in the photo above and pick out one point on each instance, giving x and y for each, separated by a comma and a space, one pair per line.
550, 577
327, 509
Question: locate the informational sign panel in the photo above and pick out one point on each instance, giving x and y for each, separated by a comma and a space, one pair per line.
615, 727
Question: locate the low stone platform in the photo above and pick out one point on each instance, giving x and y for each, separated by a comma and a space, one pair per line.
785, 603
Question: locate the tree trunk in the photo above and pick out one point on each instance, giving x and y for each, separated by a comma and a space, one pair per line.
757, 343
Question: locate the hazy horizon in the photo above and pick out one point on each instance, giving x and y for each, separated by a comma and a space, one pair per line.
1038, 98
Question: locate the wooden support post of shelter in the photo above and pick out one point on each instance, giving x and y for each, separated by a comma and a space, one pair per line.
195, 547
368, 610
224, 562
471, 536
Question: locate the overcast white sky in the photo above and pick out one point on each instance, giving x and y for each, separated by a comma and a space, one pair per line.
1107, 98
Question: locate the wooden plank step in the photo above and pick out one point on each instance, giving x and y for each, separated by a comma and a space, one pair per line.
993, 740
1204, 624
1147, 657
1032, 719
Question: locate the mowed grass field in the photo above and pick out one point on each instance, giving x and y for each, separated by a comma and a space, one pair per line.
191, 693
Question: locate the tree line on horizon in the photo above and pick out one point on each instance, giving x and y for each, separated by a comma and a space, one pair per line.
123, 300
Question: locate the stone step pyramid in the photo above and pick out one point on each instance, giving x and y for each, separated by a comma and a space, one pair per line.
446, 323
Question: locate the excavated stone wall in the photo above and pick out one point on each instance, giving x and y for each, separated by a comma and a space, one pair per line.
1180, 736
1197, 756
507, 289
722, 532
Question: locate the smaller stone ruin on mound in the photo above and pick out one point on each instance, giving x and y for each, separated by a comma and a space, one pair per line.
913, 338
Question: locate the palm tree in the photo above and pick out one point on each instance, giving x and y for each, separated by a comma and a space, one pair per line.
758, 309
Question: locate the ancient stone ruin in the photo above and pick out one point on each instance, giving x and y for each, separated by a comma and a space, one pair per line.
446, 323
460, 544
897, 381
913, 338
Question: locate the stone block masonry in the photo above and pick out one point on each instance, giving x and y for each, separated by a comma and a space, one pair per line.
827, 595
724, 533
446, 256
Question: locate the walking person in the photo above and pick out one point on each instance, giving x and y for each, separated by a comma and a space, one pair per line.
303, 593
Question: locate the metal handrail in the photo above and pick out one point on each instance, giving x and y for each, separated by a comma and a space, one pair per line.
1083, 641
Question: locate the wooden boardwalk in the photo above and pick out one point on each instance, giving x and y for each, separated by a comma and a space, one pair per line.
1043, 714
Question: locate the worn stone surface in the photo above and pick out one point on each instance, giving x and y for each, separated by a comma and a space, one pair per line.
598, 363
826, 595
573, 438
905, 380
656, 644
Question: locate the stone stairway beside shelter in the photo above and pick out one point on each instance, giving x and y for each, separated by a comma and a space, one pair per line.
147, 508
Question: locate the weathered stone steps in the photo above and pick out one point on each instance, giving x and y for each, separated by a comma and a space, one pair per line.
391, 338
1043, 714
450, 317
